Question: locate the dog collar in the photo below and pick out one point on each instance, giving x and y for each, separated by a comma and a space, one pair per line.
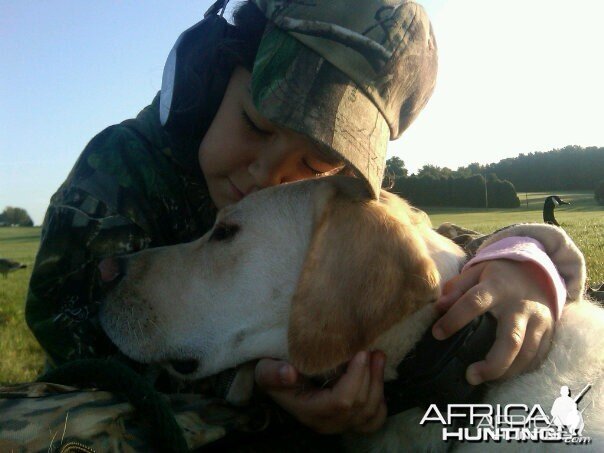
434, 371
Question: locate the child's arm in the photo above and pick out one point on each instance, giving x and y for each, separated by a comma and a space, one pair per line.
61, 309
79, 229
525, 296
116, 200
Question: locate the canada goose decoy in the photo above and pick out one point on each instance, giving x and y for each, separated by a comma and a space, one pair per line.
548, 209
7, 266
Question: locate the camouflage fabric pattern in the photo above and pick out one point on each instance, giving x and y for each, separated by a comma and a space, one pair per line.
51, 417
348, 74
125, 193
47, 417
469, 240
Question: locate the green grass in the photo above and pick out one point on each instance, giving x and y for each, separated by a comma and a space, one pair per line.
21, 358
583, 220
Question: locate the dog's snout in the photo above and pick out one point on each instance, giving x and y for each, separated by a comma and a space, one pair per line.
112, 269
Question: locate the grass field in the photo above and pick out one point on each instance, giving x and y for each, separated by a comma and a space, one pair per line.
21, 358
583, 220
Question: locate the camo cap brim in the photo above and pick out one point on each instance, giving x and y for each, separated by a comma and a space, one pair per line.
349, 74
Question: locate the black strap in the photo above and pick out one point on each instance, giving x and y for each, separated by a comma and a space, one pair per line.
434, 371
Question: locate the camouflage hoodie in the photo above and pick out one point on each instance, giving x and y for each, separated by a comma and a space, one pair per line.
130, 189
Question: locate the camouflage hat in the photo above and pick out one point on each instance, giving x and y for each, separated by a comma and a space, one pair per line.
350, 74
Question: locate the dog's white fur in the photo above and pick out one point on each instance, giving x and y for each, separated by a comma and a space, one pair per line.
314, 273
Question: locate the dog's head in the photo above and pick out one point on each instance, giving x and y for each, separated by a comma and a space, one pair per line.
311, 272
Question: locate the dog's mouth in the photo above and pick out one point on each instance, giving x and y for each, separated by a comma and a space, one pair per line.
184, 366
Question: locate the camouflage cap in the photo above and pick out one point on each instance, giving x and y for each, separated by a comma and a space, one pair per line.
350, 74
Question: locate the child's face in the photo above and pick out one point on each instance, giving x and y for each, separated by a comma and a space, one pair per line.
243, 152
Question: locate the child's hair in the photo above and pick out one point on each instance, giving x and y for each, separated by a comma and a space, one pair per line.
250, 23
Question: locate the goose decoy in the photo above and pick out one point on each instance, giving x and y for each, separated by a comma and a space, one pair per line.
548, 209
7, 266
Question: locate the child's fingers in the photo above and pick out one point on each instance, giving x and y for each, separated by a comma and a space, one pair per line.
327, 411
376, 422
363, 394
275, 374
458, 285
372, 415
545, 344
375, 394
529, 350
508, 342
345, 392
537, 341
473, 303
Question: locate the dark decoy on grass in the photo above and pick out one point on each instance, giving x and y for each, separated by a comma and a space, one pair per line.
7, 266
548, 209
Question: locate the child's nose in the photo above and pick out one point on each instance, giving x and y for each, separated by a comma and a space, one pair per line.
273, 166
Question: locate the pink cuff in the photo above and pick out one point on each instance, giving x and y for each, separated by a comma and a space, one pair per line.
520, 248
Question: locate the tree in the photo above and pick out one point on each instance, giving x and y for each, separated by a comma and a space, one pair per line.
599, 193
472, 169
502, 194
15, 216
395, 168
434, 171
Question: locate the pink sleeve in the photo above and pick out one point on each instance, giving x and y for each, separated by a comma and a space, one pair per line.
521, 248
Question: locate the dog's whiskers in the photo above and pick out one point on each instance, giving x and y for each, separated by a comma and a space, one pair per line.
140, 327
130, 327
159, 328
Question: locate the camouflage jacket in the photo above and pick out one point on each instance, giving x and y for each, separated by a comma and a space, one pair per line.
130, 189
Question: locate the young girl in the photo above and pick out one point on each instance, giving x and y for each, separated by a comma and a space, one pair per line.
317, 91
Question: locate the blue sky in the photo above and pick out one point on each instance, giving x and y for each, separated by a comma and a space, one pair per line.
69, 69
518, 73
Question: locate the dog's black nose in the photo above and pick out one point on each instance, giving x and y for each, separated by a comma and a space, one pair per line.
112, 270
185, 366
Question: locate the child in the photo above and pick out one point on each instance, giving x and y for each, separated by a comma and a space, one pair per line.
250, 106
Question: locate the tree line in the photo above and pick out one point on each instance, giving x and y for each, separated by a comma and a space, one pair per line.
495, 185
472, 191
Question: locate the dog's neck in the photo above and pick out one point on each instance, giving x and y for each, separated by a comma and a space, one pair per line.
401, 338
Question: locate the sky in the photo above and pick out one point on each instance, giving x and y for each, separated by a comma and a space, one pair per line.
515, 76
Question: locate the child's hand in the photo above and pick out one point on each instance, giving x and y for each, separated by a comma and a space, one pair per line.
518, 295
354, 403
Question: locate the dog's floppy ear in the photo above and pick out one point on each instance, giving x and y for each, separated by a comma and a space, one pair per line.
326, 189
364, 271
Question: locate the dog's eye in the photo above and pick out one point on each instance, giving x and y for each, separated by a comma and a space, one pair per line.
222, 232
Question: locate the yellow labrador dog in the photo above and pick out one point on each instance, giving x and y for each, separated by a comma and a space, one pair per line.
312, 272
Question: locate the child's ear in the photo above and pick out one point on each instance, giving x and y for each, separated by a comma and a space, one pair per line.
364, 271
